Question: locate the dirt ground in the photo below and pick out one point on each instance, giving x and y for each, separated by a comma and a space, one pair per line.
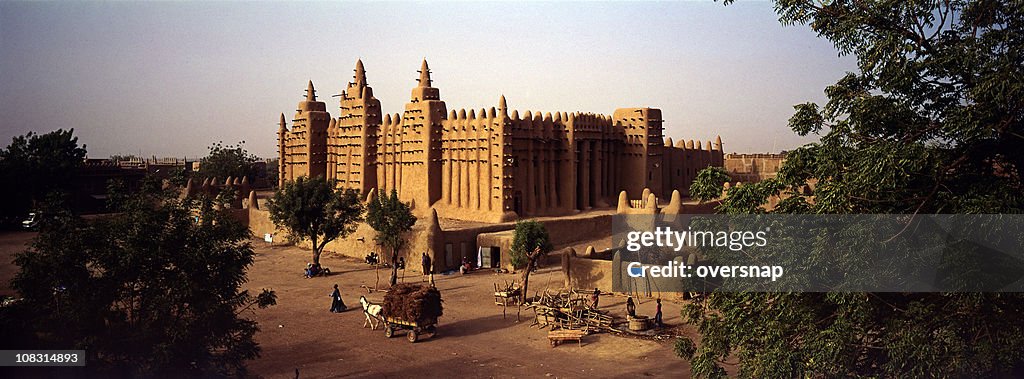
473, 339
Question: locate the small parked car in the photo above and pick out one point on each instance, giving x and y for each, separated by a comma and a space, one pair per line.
32, 222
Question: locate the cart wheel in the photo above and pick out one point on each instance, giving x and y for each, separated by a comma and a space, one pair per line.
413, 336
432, 330
389, 331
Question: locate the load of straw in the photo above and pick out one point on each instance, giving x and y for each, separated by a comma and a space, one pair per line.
413, 302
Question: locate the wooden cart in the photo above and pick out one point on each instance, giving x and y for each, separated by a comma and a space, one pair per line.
415, 329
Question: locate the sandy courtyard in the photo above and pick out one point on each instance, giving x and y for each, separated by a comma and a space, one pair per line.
473, 339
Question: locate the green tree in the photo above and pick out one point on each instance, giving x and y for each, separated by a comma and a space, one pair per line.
391, 219
930, 124
708, 184
317, 209
227, 160
153, 290
179, 176
39, 164
530, 242
273, 172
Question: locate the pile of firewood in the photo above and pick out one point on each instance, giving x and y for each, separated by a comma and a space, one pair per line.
413, 302
569, 309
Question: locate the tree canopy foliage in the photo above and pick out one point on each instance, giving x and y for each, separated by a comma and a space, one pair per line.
315, 208
274, 171
228, 160
708, 183
930, 123
38, 164
527, 237
153, 290
391, 219
530, 242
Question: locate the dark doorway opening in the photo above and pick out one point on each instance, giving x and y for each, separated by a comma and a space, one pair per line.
579, 181
517, 202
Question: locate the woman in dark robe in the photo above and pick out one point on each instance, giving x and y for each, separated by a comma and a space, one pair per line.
337, 306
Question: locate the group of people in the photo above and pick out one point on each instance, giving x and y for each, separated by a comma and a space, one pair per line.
465, 266
372, 258
338, 306
315, 269
428, 268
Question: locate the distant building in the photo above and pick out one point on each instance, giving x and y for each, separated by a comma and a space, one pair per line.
89, 186
489, 165
750, 168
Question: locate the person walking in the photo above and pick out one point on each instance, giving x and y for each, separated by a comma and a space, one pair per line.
337, 305
595, 297
657, 314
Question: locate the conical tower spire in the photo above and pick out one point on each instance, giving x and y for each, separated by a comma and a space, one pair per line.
424, 74
425, 91
502, 105
283, 125
310, 92
360, 73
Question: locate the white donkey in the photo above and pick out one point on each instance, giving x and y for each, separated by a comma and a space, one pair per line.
371, 311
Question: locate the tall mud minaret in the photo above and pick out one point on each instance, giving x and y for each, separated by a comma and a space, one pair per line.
421, 142
283, 169
310, 128
354, 139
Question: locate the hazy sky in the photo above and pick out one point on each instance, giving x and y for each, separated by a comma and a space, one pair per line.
168, 79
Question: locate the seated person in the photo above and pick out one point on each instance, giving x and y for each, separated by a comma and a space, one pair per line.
401, 263
309, 270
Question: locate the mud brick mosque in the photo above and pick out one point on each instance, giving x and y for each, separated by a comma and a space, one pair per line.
488, 165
